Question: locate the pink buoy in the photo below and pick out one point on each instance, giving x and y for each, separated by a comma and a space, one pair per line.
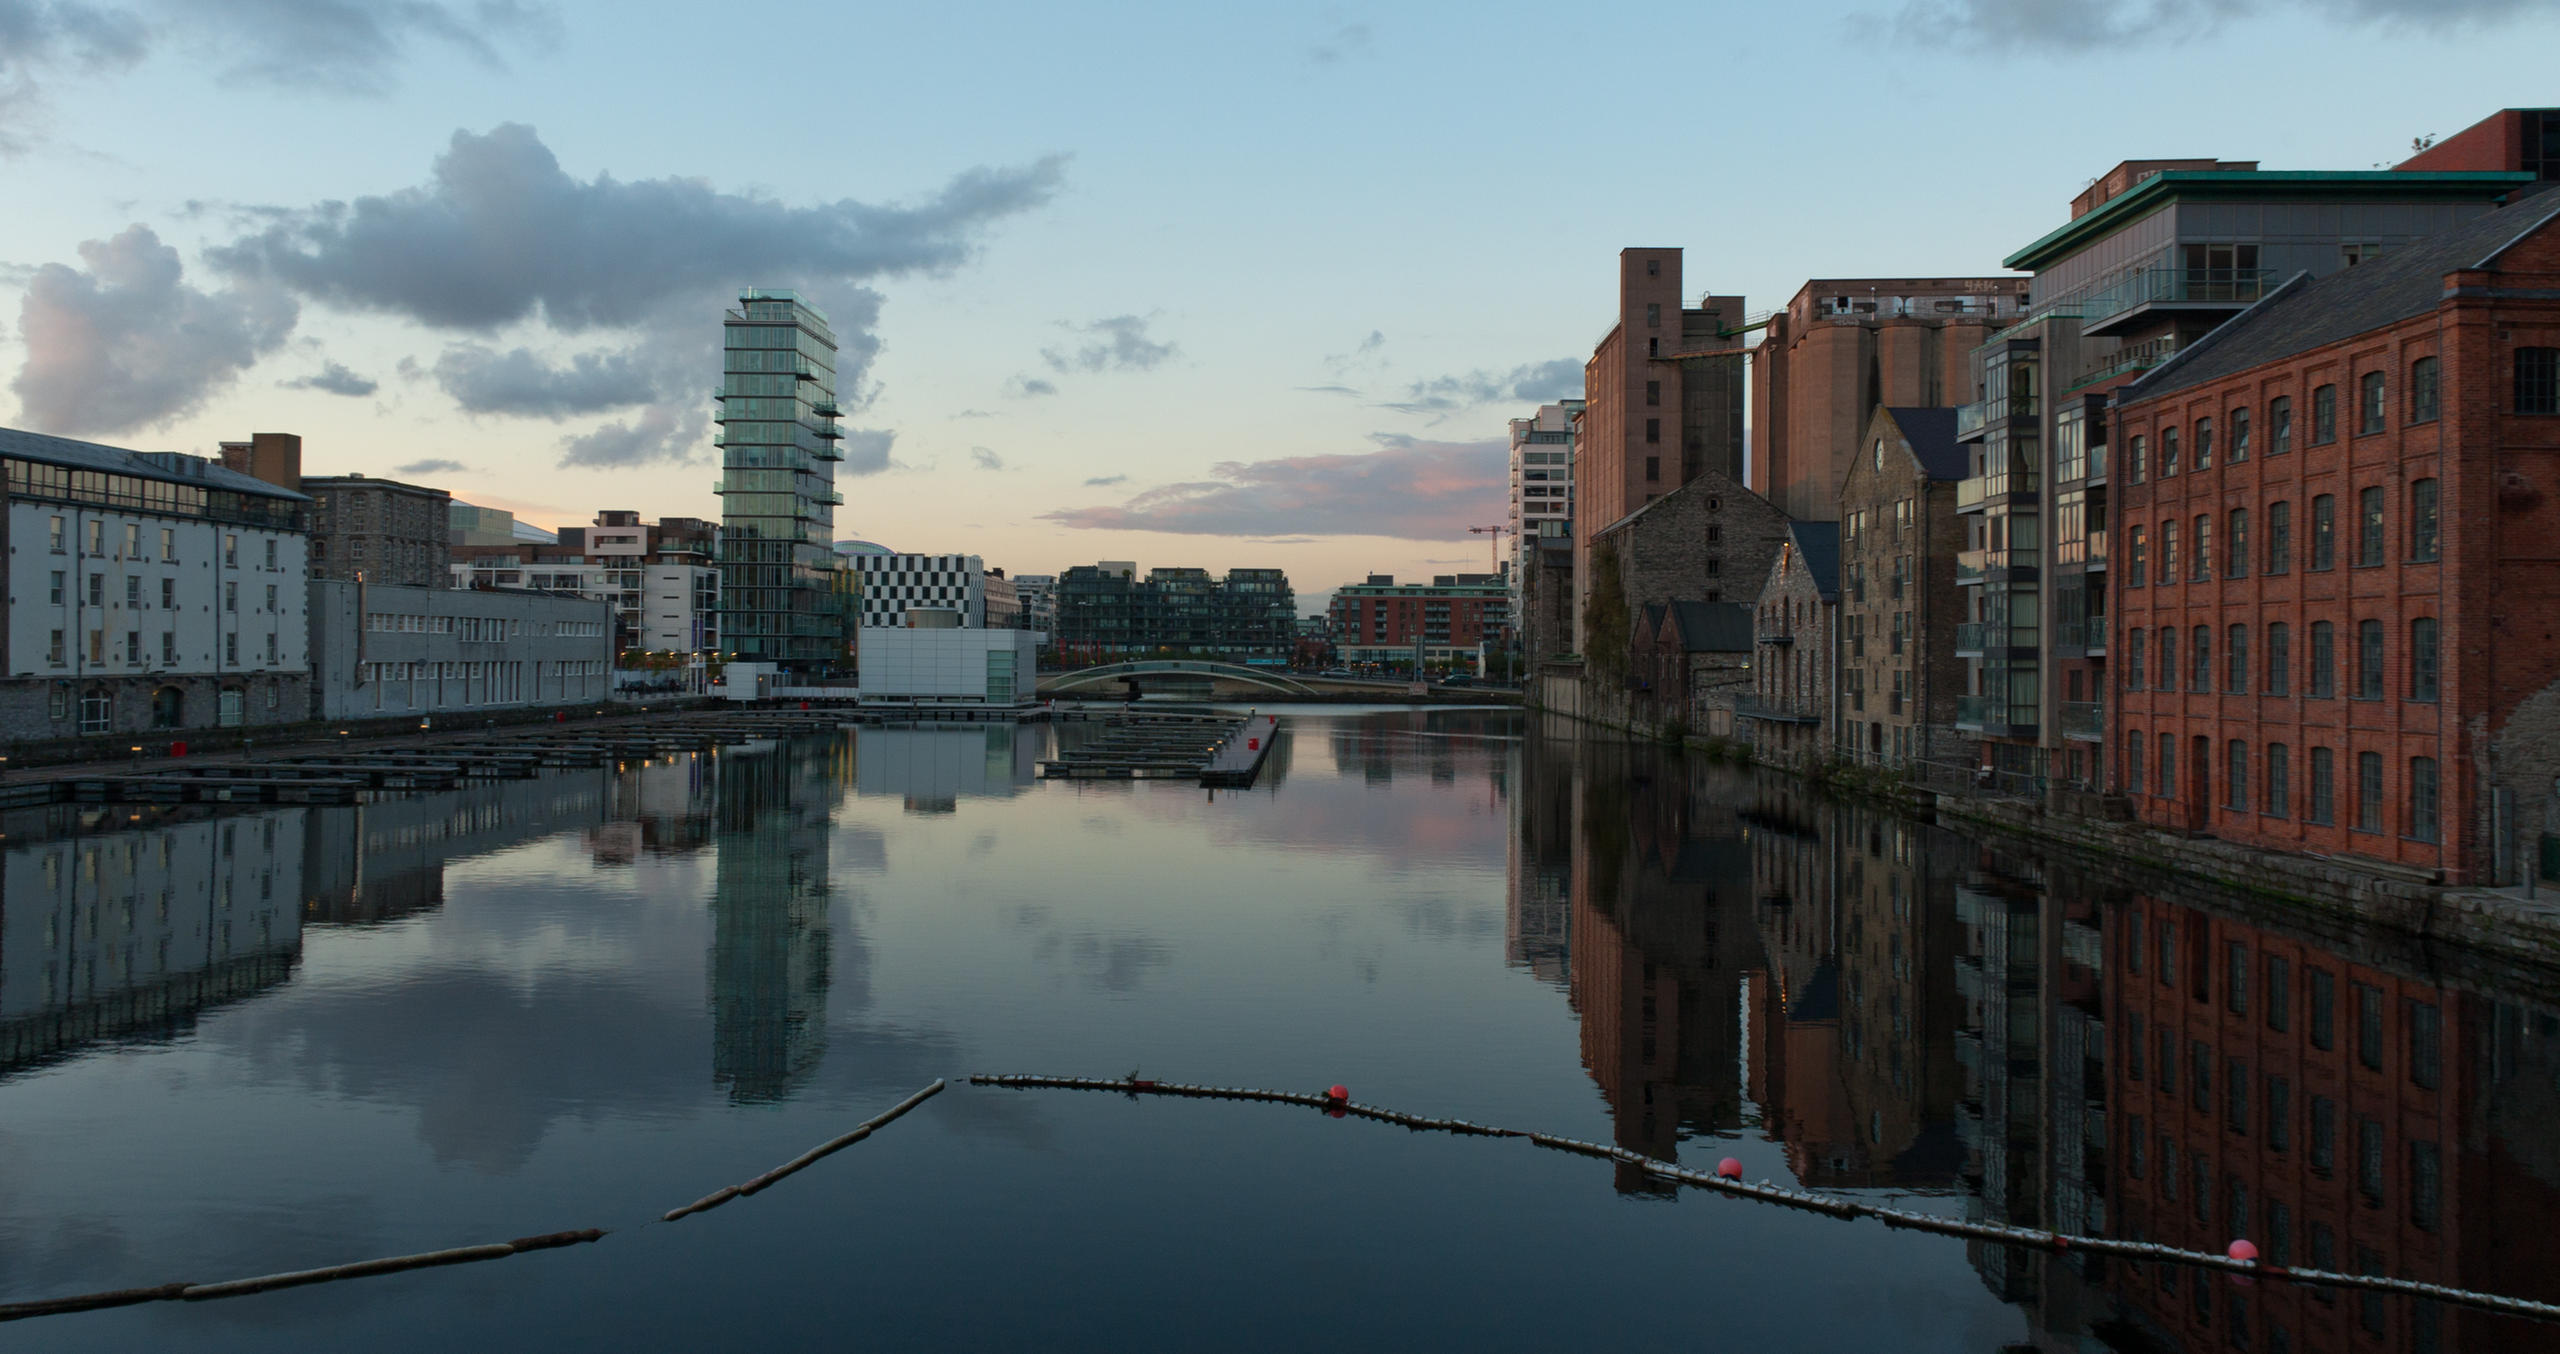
1729, 1169
1338, 1092
2243, 1250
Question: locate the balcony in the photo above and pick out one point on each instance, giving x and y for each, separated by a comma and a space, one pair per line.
1996, 718
2131, 357
2086, 720
2157, 292
1969, 638
1969, 569
2088, 637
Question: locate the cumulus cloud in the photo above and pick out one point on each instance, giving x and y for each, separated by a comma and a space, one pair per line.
124, 343
985, 459
1407, 488
1531, 383
518, 381
1105, 481
1032, 386
334, 379
658, 433
866, 451
2082, 25
433, 465
39, 38
500, 233
1116, 344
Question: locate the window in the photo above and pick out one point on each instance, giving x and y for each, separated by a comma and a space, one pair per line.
97, 589
54, 534
2279, 425
1652, 468
2137, 461
2239, 436
2324, 1134
230, 550
231, 647
2235, 549
133, 540
2279, 1114
2168, 778
168, 594
2134, 646
2426, 1186
2422, 798
2422, 521
58, 588
2168, 553
97, 538
2324, 674
2200, 1074
2137, 556
2168, 658
271, 597
2324, 532
2134, 1134
1653, 430
2279, 659
2324, 415
271, 554
2279, 993
2368, 792
2369, 1159
2369, 527
2201, 680
2426, 1045
132, 592
168, 543
2235, 1112
2235, 660
2538, 380
1653, 315
1653, 392
2202, 569
2168, 452
2279, 538
2133, 778
2423, 665
57, 656
2236, 798
2204, 444
2372, 417
2324, 808
97, 709
2369, 660
2133, 1037
168, 648
2279, 790
230, 596
2423, 395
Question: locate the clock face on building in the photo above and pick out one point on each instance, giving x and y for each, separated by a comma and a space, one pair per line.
1879, 453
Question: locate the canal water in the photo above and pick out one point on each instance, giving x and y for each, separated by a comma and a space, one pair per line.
239, 1043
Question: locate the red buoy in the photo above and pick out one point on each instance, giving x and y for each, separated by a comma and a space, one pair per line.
2243, 1250
1339, 1092
1729, 1168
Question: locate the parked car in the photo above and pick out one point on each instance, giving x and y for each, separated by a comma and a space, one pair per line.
1335, 672
1459, 679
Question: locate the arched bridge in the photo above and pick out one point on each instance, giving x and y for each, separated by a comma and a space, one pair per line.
1230, 672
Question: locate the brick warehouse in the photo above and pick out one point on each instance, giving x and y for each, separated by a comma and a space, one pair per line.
2340, 607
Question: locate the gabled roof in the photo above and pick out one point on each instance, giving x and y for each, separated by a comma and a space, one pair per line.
1932, 435
1712, 627
1650, 624
1818, 545
2308, 312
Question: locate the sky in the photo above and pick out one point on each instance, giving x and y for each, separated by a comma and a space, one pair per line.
1207, 285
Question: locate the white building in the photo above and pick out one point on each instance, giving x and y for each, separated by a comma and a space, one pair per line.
1541, 483
1039, 594
381, 651
892, 583
148, 591
939, 663
664, 608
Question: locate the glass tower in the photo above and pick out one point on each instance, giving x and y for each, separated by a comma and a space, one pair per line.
784, 596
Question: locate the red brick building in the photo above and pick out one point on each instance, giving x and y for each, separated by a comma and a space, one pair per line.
1381, 620
2338, 611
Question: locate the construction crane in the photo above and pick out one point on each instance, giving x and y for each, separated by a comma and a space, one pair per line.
1493, 551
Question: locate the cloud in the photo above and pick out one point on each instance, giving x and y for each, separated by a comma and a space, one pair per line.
866, 451
1348, 40
125, 343
1407, 488
985, 459
485, 381
658, 433
431, 466
2084, 25
973, 413
350, 46
43, 37
1119, 344
1105, 481
1330, 390
1031, 386
334, 379
500, 233
1533, 383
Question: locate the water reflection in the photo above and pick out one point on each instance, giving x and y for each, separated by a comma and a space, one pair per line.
770, 943
933, 769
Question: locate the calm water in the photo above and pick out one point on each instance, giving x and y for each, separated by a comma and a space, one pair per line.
261, 1041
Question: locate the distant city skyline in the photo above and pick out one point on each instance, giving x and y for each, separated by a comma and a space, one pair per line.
1199, 288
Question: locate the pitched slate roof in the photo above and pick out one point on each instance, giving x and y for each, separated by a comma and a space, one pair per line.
1651, 625
169, 467
1713, 627
2308, 312
1932, 435
1818, 545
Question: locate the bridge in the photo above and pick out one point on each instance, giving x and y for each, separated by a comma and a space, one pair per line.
1236, 678
1131, 672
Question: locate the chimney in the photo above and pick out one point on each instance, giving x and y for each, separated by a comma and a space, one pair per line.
273, 457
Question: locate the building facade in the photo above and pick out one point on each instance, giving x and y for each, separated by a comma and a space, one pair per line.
927, 663
1796, 648
1444, 621
148, 591
1899, 535
1541, 485
1841, 349
1711, 540
377, 652
1104, 612
891, 583
661, 578
785, 598
2336, 578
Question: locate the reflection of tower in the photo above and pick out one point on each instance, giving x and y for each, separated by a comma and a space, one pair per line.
769, 938
1538, 925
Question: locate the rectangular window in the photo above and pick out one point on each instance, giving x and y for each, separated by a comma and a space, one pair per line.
168, 543
2168, 767
2369, 527
2235, 661
2202, 569
168, 594
2426, 1045
2426, 1186
2239, 436
2168, 553
2324, 793
1652, 469
2279, 1114
230, 550
231, 596
2236, 798
2324, 674
2235, 1096
168, 647
2423, 394
2134, 1134
2279, 425
2235, 976
2371, 406
58, 587
2324, 1009
2279, 538
2423, 810
2133, 774
2168, 452
2279, 783
2204, 444
2424, 683
2137, 459
2278, 999
2279, 659
2324, 415
2324, 1134
2168, 660
1653, 430
2201, 680
2137, 556
2235, 550
1653, 392
132, 592
2324, 532
2422, 521
2369, 660
97, 589
2369, 1159
2368, 792
2135, 643
2538, 380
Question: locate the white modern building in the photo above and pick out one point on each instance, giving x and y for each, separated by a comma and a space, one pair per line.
1039, 596
936, 662
664, 608
891, 583
148, 591
378, 652
1541, 483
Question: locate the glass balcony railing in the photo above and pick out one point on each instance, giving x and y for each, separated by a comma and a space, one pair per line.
2088, 635
1970, 637
1969, 711
1969, 568
2175, 286
1971, 418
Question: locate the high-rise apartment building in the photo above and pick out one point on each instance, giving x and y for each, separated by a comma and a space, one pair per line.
1844, 348
785, 597
1541, 484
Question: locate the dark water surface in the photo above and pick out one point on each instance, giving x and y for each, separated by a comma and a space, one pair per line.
259, 1041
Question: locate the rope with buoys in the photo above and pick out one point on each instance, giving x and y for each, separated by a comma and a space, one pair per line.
457, 1255
2241, 1259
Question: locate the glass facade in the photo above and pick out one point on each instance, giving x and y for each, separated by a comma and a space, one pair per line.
785, 597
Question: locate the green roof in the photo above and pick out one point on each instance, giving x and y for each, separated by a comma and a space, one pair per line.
2174, 185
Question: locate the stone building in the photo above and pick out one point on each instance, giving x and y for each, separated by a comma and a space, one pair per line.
1796, 647
1899, 608
2336, 611
147, 591
382, 531
1691, 663
1711, 540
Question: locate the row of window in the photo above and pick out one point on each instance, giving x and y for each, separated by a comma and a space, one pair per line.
2423, 542
58, 593
2422, 668
2273, 998
2273, 784
58, 653
98, 715
58, 539
2536, 391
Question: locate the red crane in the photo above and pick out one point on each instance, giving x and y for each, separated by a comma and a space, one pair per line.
1493, 550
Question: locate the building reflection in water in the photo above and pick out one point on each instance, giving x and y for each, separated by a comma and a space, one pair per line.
379, 862
933, 769
1899, 1007
770, 892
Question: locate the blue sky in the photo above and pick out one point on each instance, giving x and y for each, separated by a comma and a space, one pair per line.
1186, 284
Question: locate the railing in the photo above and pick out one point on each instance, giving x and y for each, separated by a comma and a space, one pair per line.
1968, 571
2131, 357
1969, 711
2084, 719
1970, 418
1970, 636
2088, 635
2176, 286
1762, 710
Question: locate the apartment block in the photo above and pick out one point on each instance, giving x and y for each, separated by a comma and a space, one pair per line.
1541, 485
785, 597
1105, 612
1901, 682
1445, 620
2336, 598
